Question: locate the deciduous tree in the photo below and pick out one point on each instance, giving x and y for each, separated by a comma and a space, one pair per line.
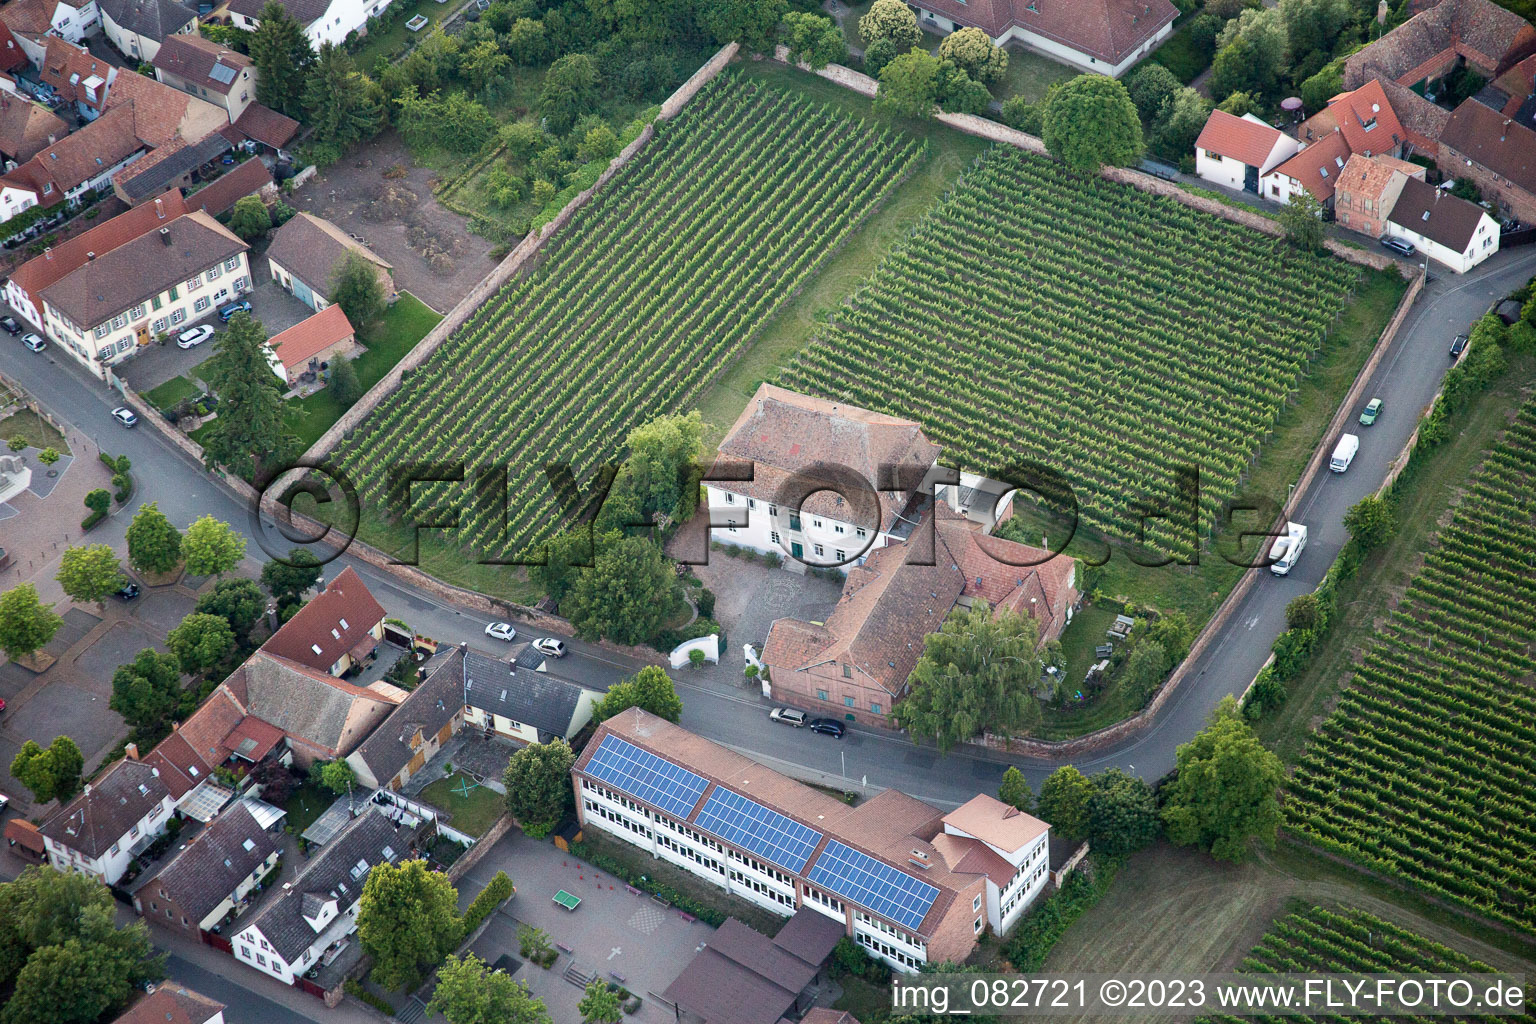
147, 690
250, 219
752, 23
813, 40
1122, 813
89, 574
1015, 791
1150, 85
239, 601
1224, 793
201, 642
890, 20
1090, 121
1371, 522
154, 545
569, 90
650, 689
408, 921
336, 776
626, 595
470, 993
539, 785
1302, 219
286, 579
485, 65
355, 287
663, 464
600, 1004
972, 50
211, 548
1063, 802
51, 772
527, 42
26, 624
909, 85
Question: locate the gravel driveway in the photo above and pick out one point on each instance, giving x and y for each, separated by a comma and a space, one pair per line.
748, 597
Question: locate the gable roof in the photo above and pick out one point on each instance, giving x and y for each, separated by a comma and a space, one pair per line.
310, 247
741, 976
1367, 120
328, 875
26, 128
1437, 215
67, 67
1367, 177
248, 178
153, 19
171, 1003
1501, 144
148, 265
1488, 36
111, 805
544, 701
1317, 167
12, 56
218, 859
306, 339
336, 620
1244, 139
166, 164
161, 112
432, 705
992, 821
76, 159
304, 703
30, 18
1107, 30
303, 11
264, 125
201, 62
24, 834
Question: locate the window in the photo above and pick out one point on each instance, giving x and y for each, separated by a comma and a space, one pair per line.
121, 320
861, 532
842, 556
137, 312
751, 503
158, 325
821, 695
155, 303
976, 903
245, 951
730, 499
874, 708
174, 295
48, 188
233, 263
819, 549
774, 536
193, 284
261, 960
202, 303
178, 316
214, 272
773, 510
816, 523
838, 528
847, 671
123, 343
847, 702
104, 353
977, 926
102, 331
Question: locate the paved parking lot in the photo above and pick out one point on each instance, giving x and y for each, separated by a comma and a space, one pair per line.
748, 597
612, 932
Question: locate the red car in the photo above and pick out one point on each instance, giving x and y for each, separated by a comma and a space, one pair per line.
2, 703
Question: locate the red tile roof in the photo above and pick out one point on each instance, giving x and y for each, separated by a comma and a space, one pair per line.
1317, 167
1238, 138
76, 159
65, 66
171, 1003
25, 834
1108, 30
12, 57
308, 338
266, 126
247, 179
1503, 145
334, 620
252, 739
1367, 120
26, 128
193, 59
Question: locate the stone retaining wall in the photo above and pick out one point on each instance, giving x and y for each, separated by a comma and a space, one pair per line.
472, 856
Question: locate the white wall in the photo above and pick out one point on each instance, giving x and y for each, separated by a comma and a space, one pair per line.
1050, 47
1485, 242
1222, 170
758, 529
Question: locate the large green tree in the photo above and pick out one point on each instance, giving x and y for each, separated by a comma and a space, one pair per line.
1090, 121
1302, 220
147, 690
569, 90
90, 574
1151, 85
51, 772
282, 55
248, 433
355, 287
1063, 802
485, 65
26, 624
626, 595
973, 51
813, 40
468, 992
154, 545
1122, 813
1224, 793
909, 85
408, 921
662, 467
287, 579
1015, 791
890, 20
1371, 522
201, 642
340, 104
975, 673
752, 23
600, 1004
250, 219
650, 689
210, 547
539, 786
239, 601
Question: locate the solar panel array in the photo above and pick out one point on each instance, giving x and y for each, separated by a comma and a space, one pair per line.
644, 776
222, 73
873, 884
780, 840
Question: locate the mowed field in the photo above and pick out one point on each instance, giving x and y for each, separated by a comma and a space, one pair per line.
1114, 336
638, 304
1426, 770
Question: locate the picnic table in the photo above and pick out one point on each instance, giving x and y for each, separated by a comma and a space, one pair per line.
566, 900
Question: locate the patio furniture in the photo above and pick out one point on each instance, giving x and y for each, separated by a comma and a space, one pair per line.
566, 900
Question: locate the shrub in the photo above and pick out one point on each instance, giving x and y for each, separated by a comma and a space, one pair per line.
354, 988
496, 892
1031, 942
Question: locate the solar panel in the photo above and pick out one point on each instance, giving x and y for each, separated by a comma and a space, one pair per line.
781, 841
870, 883
644, 776
222, 73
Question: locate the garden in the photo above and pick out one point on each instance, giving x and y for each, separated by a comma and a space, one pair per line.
471, 807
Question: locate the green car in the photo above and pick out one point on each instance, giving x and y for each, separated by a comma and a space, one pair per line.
1371, 412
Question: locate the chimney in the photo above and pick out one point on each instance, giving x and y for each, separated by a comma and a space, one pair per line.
165, 236
159, 209
131, 750
48, 252
1504, 129
89, 257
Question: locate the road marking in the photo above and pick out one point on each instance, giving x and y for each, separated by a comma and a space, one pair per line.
615, 952
1251, 622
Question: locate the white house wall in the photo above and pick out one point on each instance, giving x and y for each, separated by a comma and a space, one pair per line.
1485, 242
1050, 47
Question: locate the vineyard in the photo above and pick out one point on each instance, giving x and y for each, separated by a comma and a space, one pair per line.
637, 305
1352, 942
1427, 769
1111, 334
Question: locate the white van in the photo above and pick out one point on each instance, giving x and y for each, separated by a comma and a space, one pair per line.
1287, 549
1344, 453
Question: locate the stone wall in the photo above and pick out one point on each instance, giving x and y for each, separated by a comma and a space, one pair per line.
674, 104
472, 856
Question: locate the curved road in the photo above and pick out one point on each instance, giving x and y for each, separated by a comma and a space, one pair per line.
1406, 379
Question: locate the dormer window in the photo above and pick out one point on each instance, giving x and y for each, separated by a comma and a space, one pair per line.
315, 648
334, 635
344, 624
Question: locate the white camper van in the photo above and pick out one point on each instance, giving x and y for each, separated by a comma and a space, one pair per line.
1344, 453
1288, 549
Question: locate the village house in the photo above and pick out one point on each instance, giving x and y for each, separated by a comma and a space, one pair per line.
520, 701
293, 929
75, 165
324, 21
248, 178
119, 301
321, 718
26, 129
1367, 188
138, 28
1495, 152
171, 1002
1235, 152
909, 883
1427, 47
857, 663
416, 730
111, 822
306, 251
1103, 36
1449, 230
176, 164
335, 631
32, 23
302, 351
208, 71
219, 868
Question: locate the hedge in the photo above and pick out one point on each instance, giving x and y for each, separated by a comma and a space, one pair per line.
496, 891
687, 904
1033, 939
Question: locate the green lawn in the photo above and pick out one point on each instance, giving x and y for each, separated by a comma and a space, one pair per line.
1180, 54
473, 814
394, 41
404, 324
171, 392
304, 805
1030, 74
36, 430
851, 27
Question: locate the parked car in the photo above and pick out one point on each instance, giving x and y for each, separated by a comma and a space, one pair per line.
501, 631
1372, 410
5, 801
827, 727
10, 326
193, 337
128, 592
789, 716
550, 647
2, 703
33, 342
227, 312
1458, 346
126, 416
1399, 246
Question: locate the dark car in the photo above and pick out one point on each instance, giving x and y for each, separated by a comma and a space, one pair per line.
10, 326
829, 726
128, 593
226, 312
1398, 246
1458, 346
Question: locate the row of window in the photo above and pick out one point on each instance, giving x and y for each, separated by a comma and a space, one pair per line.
874, 922
794, 520
848, 702
138, 312
1023, 890
889, 952
763, 890
618, 819
690, 853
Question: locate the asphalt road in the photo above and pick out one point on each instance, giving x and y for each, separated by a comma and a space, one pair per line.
1406, 379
